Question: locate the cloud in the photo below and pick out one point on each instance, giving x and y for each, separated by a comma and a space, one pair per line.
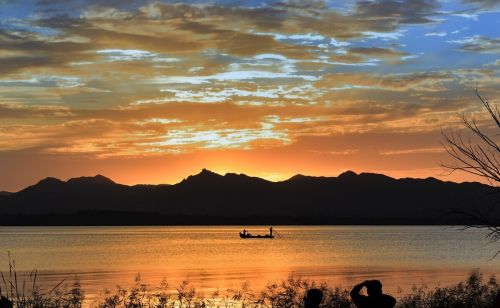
163, 32
231, 76
50, 52
342, 152
394, 35
478, 44
99, 12
422, 82
432, 150
15, 110
405, 12
222, 138
377, 52
483, 3
438, 34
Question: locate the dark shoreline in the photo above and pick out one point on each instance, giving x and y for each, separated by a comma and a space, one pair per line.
114, 218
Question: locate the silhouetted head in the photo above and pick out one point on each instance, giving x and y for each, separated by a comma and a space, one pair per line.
5, 302
374, 287
313, 298
496, 301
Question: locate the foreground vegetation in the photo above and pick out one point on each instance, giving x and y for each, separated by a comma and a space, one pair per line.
475, 292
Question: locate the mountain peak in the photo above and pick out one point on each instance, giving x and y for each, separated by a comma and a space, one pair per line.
49, 180
48, 183
204, 174
207, 172
348, 174
98, 179
298, 177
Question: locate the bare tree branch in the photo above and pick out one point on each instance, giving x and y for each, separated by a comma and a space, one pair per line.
480, 158
478, 153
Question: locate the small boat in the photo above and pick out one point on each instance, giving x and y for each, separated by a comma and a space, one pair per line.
246, 234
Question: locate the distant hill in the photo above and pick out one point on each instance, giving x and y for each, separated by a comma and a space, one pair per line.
210, 198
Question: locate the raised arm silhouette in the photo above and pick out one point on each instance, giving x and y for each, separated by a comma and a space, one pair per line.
375, 298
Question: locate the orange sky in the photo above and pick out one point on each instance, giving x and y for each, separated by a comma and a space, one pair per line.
151, 92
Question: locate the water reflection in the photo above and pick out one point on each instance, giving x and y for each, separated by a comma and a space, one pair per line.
215, 257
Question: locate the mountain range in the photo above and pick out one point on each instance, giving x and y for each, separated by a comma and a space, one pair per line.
210, 198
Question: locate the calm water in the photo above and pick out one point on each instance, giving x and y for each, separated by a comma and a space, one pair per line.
215, 257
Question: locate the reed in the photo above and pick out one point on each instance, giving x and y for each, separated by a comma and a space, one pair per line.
23, 292
473, 293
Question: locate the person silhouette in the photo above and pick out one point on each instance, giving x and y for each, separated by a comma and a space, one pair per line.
5, 302
496, 301
313, 298
375, 298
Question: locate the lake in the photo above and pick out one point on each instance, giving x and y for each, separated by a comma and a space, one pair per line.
215, 257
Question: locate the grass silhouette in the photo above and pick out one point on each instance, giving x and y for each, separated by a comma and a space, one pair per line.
24, 292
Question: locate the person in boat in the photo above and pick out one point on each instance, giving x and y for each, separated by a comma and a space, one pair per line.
313, 298
246, 233
271, 231
375, 298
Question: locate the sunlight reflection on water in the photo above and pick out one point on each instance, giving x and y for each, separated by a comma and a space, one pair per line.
215, 257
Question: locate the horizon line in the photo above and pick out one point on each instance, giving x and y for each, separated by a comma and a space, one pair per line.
227, 173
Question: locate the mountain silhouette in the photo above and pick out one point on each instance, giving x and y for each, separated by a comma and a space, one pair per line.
211, 198
91, 180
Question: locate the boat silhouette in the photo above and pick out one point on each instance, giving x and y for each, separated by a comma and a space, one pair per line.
246, 234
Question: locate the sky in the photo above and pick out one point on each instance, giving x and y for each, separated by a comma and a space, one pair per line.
154, 91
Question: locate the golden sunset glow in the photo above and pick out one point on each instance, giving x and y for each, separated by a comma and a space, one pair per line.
152, 92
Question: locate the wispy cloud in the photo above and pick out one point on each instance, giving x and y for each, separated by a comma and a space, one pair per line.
478, 44
438, 34
414, 151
